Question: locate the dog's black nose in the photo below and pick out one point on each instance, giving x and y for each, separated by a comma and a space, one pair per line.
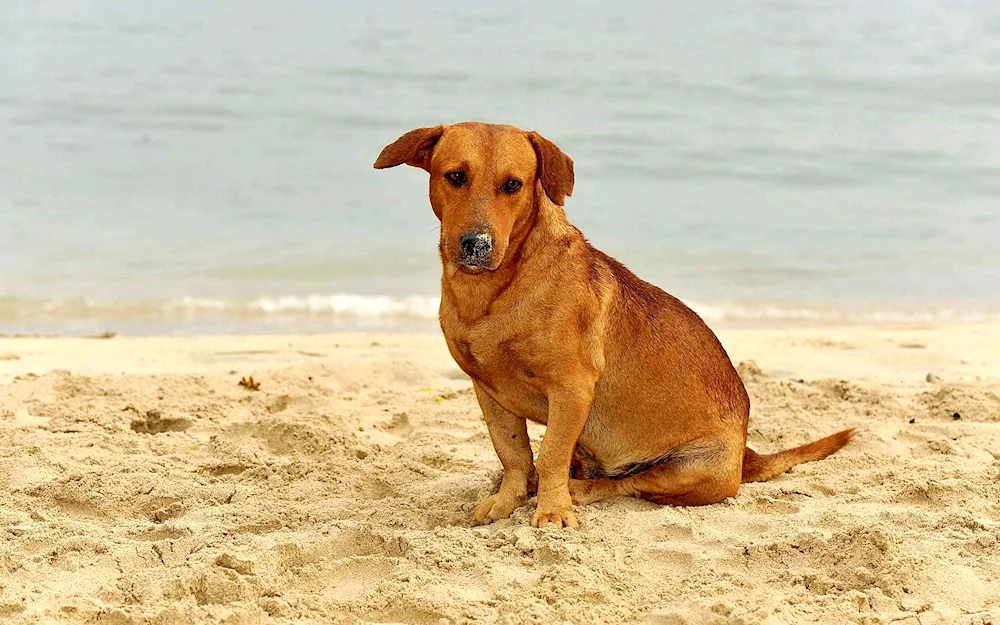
476, 247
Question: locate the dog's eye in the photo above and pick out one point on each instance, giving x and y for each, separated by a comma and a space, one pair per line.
456, 178
511, 186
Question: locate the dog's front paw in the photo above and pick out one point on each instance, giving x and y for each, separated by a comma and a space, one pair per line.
496, 507
560, 515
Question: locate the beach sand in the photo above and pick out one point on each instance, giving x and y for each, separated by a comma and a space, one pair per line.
139, 483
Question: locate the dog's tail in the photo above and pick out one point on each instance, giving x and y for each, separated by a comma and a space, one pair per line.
762, 467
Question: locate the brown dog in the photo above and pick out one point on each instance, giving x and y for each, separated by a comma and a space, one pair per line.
638, 395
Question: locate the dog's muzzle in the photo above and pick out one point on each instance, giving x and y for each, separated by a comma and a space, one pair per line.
476, 249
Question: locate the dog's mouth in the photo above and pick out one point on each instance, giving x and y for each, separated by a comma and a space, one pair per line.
474, 267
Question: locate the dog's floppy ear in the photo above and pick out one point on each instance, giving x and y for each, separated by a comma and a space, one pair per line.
414, 148
555, 169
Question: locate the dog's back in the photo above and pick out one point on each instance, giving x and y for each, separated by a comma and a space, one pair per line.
664, 368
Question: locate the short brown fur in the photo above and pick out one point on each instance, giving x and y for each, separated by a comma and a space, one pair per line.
638, 395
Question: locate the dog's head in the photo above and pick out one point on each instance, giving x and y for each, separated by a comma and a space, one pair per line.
486, 180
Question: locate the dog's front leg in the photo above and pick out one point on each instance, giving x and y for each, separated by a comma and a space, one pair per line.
509, 434
568, 412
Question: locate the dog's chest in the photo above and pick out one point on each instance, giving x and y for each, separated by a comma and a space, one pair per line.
502, 362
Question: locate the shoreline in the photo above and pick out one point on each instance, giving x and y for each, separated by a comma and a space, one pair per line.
353, 312
964, 350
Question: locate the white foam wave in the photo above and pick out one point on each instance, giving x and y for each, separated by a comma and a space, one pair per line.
352, 306
766, 313
337, 304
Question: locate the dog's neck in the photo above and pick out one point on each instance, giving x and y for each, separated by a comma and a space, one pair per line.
532, 240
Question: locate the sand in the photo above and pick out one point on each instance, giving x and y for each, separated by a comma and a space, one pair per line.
139, 483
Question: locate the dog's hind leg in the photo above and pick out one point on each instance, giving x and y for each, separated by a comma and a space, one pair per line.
703, 471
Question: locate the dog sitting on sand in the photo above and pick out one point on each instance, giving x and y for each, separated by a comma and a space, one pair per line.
638, 396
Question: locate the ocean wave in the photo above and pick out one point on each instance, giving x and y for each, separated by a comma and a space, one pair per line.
352, 306
337, 304
740, 313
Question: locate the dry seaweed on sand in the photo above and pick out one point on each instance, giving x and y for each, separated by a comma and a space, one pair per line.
249, 384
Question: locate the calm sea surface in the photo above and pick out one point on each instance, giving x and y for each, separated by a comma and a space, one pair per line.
185, 166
